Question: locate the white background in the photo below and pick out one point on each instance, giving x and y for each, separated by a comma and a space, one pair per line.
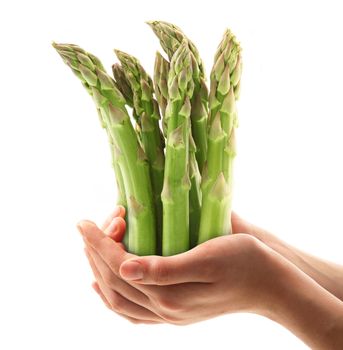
55, 162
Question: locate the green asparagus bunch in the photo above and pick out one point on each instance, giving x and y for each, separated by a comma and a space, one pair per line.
172, 143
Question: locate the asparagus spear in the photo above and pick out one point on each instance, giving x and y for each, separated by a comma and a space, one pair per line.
194, 194
217, 174
175, 194
161, 71
125, 88
171, 37
122, 83
147, 111
130, 157
121, 200
160, 81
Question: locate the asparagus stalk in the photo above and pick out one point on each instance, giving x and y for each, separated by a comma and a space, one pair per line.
176, 186
161, 71
170, 37
116, 154
194, 194
161, 88
126, 91
146, 108
217, 174
124, 87
132, 161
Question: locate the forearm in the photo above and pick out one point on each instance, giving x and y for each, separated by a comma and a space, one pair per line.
306, 309
327, 274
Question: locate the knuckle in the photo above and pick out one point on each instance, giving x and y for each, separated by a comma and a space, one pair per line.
116, 302
108, 278
169, 303
159, 272
134, 320
251, 243
165, 303
169, 318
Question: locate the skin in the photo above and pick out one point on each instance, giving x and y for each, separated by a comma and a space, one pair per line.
297, 290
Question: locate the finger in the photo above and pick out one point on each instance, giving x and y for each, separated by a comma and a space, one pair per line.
97, 289
115, 283
125, 307
117, 302
192, 266
116, 229
110, 251
139, 294
136, 320
239, 225
119, 211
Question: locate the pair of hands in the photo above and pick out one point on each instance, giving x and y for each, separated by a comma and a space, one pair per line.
227, 274
249, 271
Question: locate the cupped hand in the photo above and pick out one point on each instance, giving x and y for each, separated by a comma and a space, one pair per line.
227, 274
100, 244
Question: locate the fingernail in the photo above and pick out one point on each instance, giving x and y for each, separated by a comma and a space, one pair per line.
116, 211
132, 270
79, 228
113, 226
122, 211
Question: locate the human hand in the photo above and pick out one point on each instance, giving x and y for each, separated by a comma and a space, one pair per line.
226, 274
327, 274
109, 286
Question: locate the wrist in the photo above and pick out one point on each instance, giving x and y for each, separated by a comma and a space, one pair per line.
305, 308
326, 274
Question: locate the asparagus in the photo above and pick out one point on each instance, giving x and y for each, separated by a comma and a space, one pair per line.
161, 71
217, 174
194, 194
148, 116
176, 186
122, 83
161, 88
170, 37
116, 154
125, 88
200, 132
130, 157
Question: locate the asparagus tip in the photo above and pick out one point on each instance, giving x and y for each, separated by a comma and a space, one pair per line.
150, 23
117, 52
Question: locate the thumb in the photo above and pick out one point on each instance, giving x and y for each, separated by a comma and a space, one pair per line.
181, 268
